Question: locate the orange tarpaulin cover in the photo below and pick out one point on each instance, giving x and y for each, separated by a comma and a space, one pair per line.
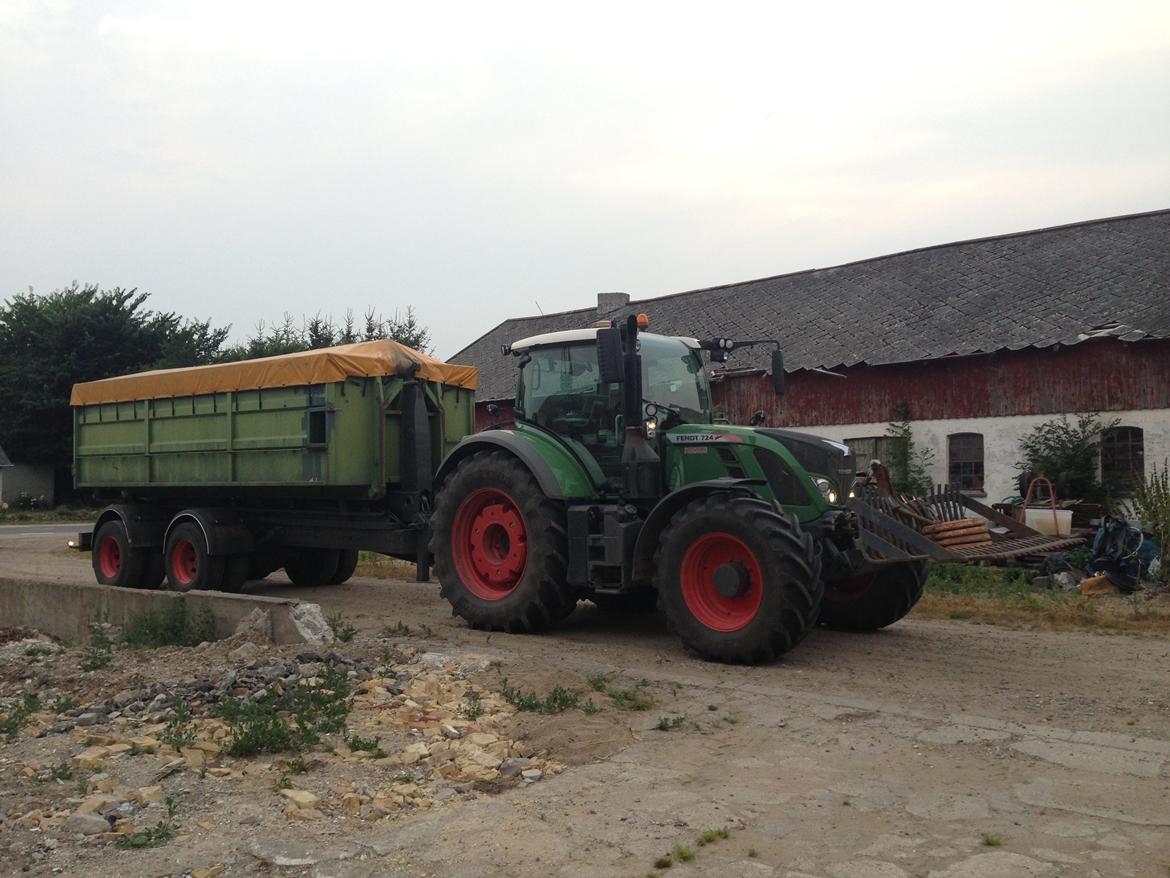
363, 360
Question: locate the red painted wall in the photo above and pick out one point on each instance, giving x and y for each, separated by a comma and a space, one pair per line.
1098, 375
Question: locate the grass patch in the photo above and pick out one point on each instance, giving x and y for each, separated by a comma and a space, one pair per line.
41, 515
558, 700
175, 625
712, 835
622, 699
664, 862
667, 723
1004, 596
343, 630
683, 854
369, 745
991, 841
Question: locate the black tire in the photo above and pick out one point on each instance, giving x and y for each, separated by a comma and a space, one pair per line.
518, 583
188, 565
346, 564
775, 566
261, 564
642, 600
236, 570
115, 563
311, 568
875, 600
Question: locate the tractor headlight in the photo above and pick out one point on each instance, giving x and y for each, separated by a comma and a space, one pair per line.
827, 489
651, 428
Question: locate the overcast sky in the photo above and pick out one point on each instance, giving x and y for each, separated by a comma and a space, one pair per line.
242, 159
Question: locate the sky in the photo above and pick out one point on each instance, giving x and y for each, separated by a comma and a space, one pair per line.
240, 160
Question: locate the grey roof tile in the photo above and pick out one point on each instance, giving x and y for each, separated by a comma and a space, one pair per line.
1029, 289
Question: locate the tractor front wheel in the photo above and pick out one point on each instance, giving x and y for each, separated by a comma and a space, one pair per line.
500, 547
737, 582
873, 600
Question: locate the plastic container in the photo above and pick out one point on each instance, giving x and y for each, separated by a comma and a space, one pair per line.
1041, 520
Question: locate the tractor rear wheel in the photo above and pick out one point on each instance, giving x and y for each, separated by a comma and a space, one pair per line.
500, 547
873, 600
736, 581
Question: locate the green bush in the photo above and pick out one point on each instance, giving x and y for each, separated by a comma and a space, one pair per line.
1150, 505
1058, 447
173, 626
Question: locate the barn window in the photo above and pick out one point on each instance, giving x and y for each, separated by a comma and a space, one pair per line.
1123, 457
965, 461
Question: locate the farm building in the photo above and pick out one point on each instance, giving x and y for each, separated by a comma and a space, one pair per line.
33, 480
978, 341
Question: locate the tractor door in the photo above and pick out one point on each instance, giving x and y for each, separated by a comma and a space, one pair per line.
561, 390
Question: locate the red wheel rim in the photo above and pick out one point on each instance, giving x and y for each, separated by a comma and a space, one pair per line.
846, 590
721, 612
489, 544
184, 562
109, 557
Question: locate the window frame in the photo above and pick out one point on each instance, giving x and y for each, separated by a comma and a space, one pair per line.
1112, 477
974, 480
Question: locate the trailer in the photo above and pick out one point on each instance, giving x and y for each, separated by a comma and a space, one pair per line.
220, 474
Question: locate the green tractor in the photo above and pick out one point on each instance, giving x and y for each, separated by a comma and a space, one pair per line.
613, 483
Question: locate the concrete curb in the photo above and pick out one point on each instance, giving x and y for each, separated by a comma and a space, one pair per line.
66, 610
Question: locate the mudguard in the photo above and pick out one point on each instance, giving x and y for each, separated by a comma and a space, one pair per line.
559, 473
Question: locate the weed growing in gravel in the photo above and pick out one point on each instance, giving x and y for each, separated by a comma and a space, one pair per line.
666, 723
664, 862
152, 837
259, 725
474, 708
180, 731
16, 716
712, 835
623, 699
99, 652
342, 629
753, 853
175, 625
558, 700
398, 629
370, 745
991, 841
683, 854
597, 682
35, 650
63, 704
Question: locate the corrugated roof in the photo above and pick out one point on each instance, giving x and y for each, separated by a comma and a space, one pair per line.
1028, 289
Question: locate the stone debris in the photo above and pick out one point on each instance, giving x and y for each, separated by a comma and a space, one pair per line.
311, 624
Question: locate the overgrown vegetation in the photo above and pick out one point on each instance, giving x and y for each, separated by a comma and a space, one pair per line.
342, 628
1068, 454
1005, 596
1150, 505
558, 700
180, 730
99, 651
17, 715
175, 625
292, 721
909, 465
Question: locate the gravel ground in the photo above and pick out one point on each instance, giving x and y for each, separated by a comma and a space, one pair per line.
902, 753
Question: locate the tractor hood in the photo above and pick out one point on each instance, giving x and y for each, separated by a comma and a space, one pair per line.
818, 456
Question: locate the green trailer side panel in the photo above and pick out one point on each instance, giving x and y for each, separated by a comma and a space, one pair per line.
343, 435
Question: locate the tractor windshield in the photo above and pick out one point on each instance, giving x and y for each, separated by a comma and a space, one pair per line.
561, 389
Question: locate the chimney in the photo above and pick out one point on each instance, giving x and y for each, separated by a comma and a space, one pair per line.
607, 302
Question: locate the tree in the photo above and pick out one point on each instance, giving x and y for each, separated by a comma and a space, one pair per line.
285, 337
909, 466
1068, 453
81, 333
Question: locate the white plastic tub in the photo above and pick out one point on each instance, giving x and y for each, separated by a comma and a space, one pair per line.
1041, 520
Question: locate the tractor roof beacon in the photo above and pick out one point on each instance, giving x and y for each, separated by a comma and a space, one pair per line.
615, 483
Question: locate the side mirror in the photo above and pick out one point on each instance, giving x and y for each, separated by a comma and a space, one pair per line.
778, 372
610, 357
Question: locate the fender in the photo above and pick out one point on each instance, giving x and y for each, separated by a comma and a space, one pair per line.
145, 525
223, 530
567, 481
665, 509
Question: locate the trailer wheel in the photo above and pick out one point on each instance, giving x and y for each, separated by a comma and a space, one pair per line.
737, 582
115, 563
346, 565
873, 600
500, 547
188, 565
236, 569
311, 568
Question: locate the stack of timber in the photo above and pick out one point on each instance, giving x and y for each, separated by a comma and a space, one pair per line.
968, 533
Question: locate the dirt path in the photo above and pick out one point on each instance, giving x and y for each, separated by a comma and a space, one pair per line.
883, 755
